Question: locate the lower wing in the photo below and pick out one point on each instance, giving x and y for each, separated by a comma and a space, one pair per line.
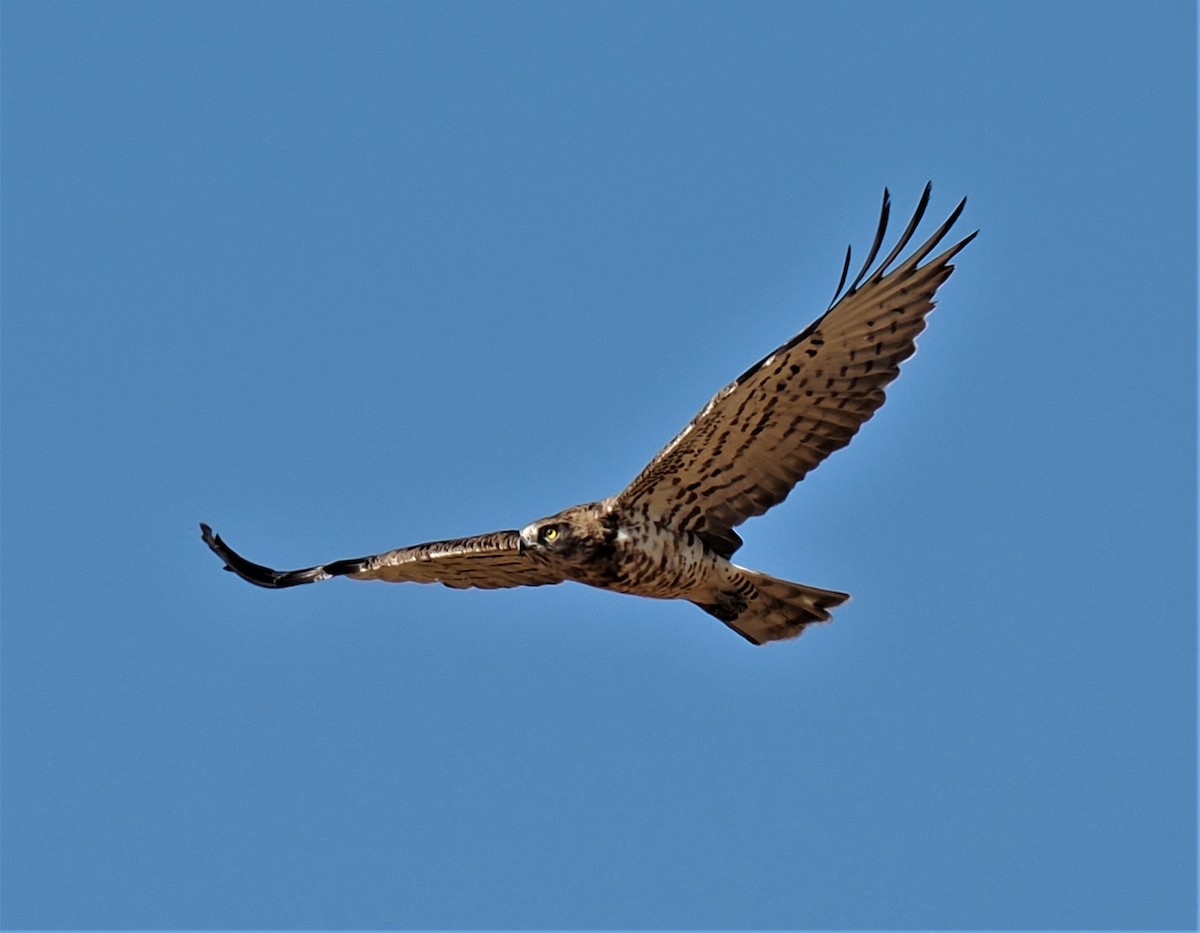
490, 561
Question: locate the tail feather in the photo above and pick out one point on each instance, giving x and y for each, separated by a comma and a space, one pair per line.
765, 608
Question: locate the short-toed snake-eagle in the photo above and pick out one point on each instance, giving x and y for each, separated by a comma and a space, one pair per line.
670, 533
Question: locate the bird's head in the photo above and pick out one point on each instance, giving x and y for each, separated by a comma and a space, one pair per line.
554, 535
570, 533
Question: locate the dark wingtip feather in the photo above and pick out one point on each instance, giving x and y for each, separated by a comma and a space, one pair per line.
913, 223
880, 232
965, 240
256, 573
903, 242
929, 245
837, 292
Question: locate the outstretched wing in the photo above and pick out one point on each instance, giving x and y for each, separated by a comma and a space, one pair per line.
762, 433
490, 561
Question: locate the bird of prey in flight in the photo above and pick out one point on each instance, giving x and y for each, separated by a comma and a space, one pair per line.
670, 533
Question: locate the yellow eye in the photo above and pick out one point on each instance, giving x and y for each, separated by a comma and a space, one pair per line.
550, 533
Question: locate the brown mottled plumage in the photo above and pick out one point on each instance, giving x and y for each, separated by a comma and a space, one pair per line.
669, 534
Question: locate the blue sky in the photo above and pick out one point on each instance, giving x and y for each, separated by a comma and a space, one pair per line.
340, 277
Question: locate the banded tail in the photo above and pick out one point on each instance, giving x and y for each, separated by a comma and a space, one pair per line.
769, 609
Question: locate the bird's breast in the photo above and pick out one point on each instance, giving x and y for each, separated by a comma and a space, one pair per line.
649, 560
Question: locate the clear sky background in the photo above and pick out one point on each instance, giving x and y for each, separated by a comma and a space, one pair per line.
340, 277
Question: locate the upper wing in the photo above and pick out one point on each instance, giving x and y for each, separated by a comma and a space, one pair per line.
487, 561
762, 433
